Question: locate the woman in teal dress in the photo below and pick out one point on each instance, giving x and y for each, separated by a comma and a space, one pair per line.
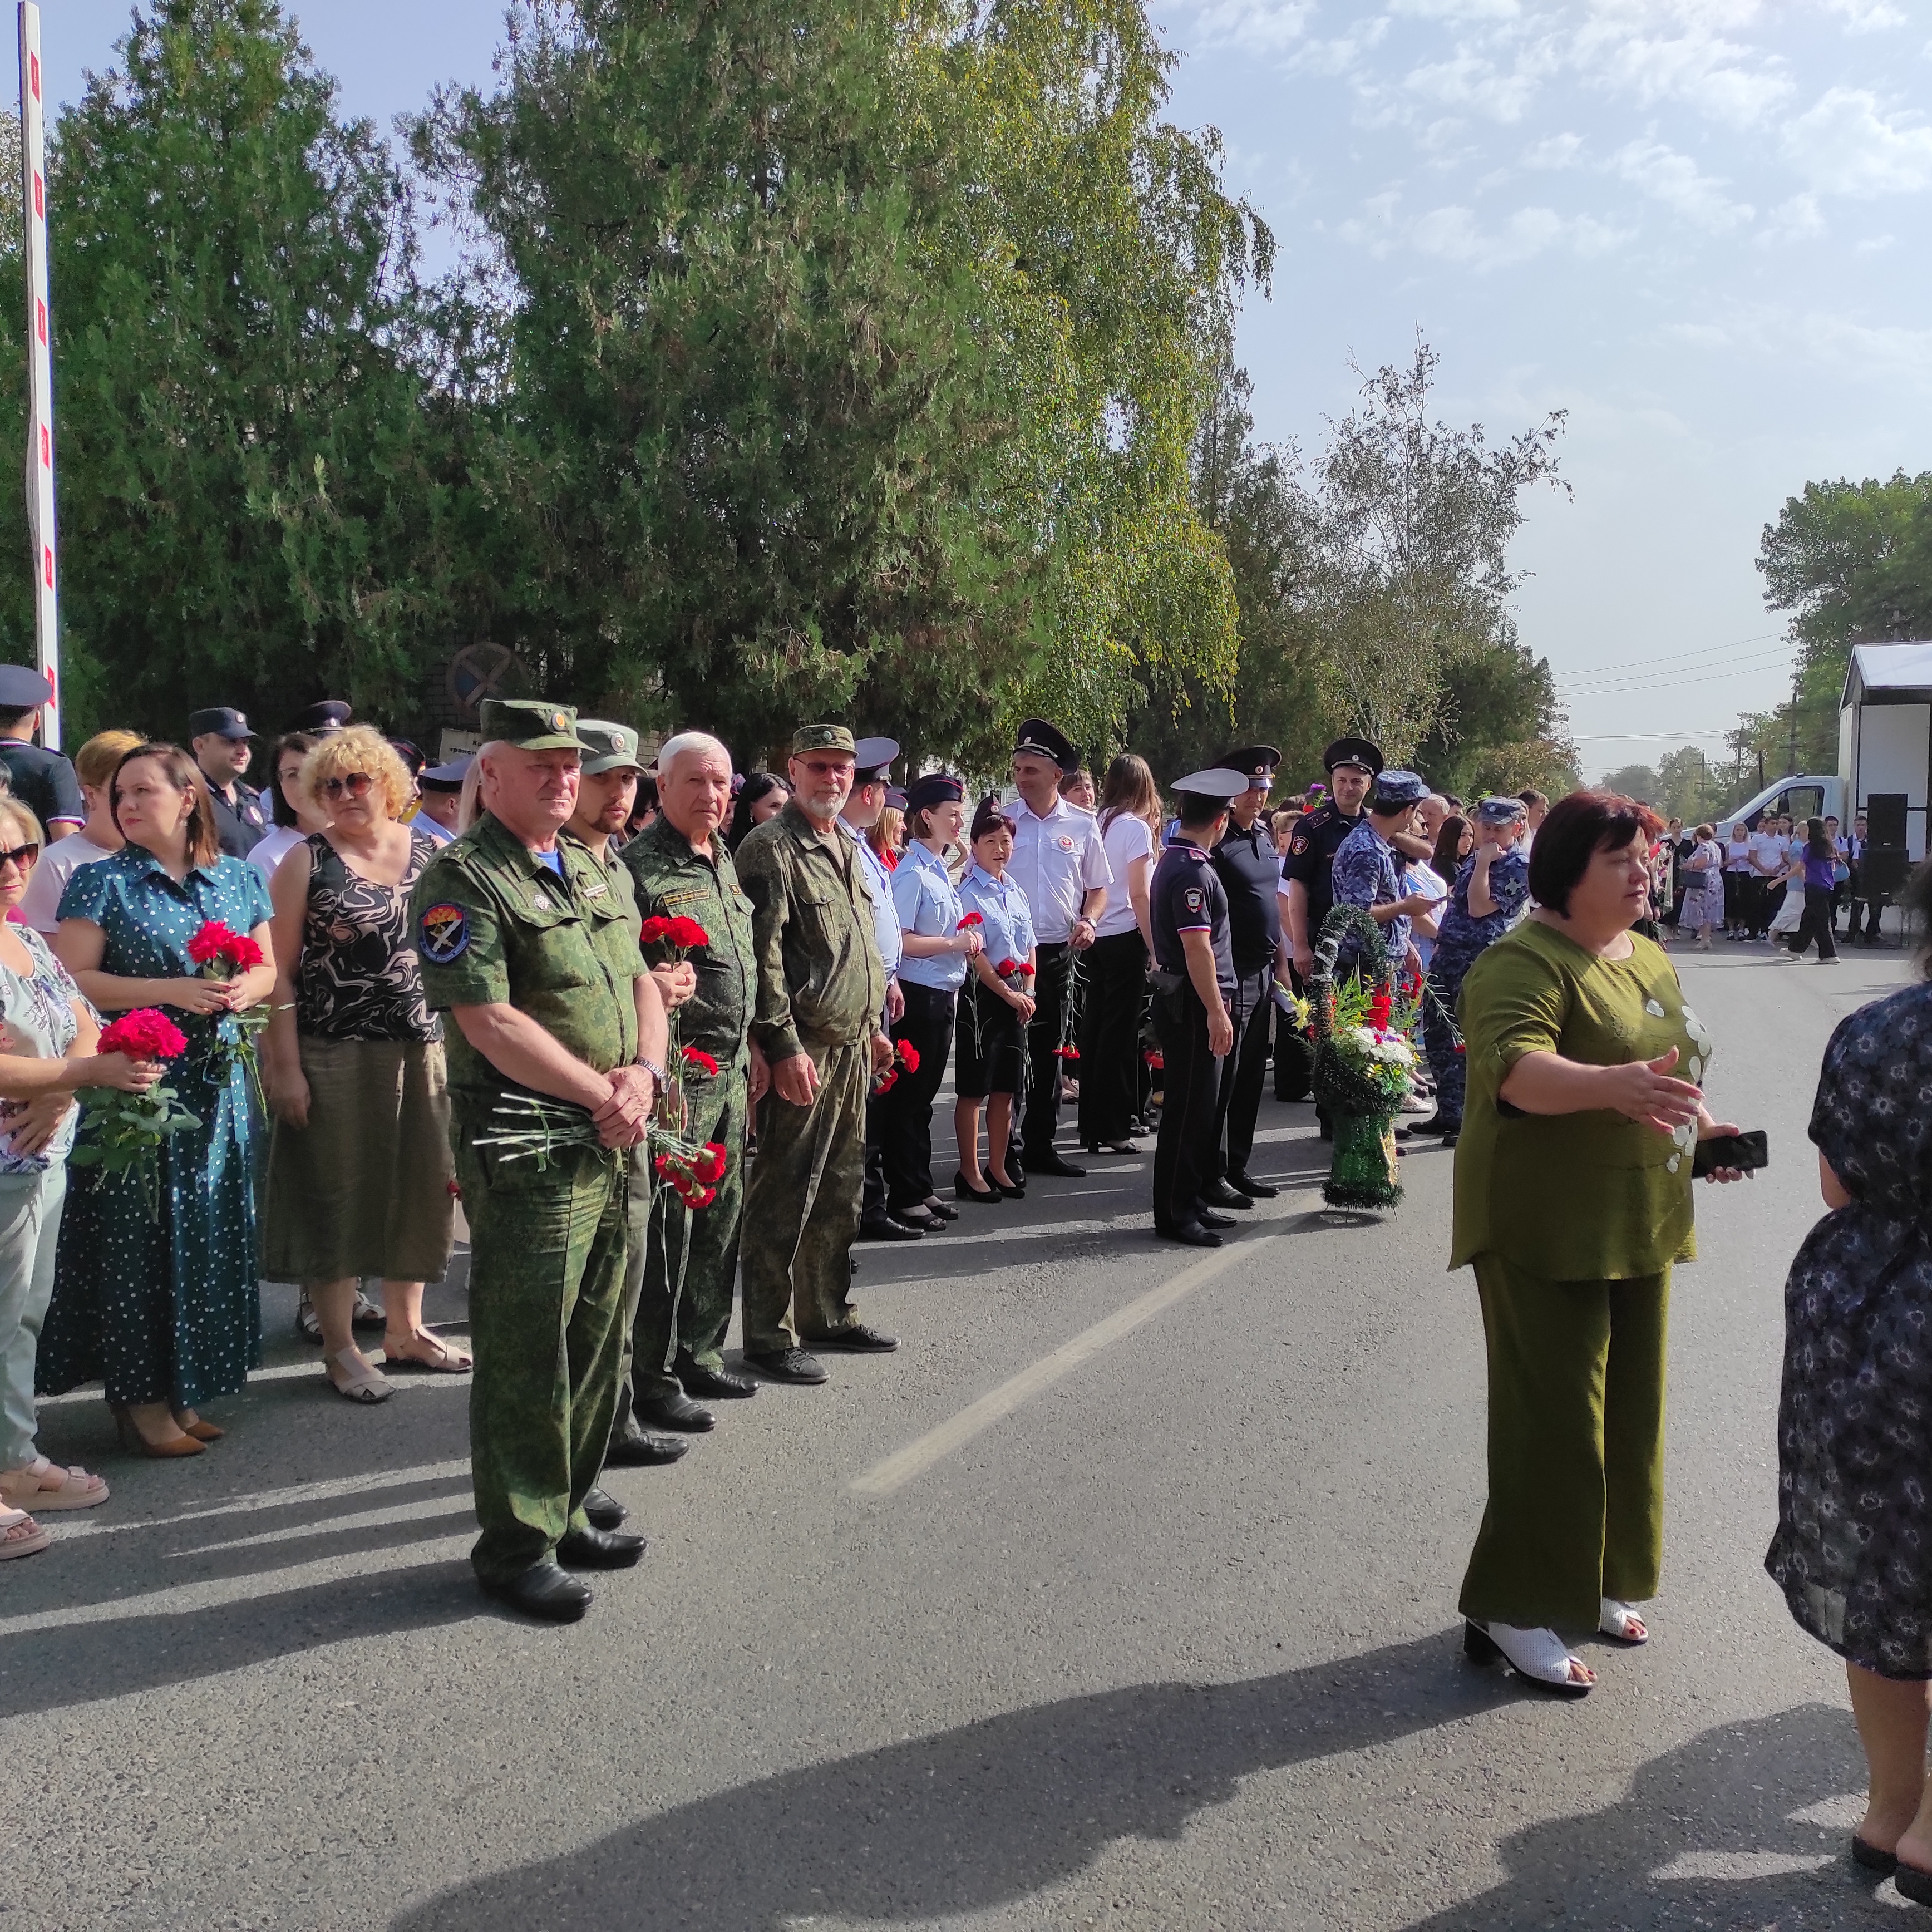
167, 1311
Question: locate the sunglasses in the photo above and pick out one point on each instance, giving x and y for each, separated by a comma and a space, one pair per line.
22, 856
353, 784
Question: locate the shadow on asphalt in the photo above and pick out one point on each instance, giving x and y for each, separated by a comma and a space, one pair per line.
78, 1663
996, 1812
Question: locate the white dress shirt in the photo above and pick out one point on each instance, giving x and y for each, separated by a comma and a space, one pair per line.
1058, 860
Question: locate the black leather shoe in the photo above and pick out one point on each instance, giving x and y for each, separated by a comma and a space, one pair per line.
674, 1409
787, 1365
605, 1510
940, 1210
857, 1339
638, 1447
1208, 1218
1190, 1233
1219, 1194
1255, 1190
718, 1384
1052, 1163
1449, 1139
601, 1549
1009, 1190
1435, 1124
551, 1595
888, 1228
963, 1189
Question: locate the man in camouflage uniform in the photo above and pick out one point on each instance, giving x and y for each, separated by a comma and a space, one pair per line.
527, 945
680, 868
821, 991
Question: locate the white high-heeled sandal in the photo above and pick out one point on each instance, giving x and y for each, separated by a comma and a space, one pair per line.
1539, 1657
1621, 1623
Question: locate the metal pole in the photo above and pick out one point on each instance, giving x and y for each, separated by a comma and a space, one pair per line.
40, 453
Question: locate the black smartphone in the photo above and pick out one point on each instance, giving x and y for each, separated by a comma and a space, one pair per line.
1747, 1151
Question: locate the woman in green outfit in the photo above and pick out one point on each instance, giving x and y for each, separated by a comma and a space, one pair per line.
1572, 1199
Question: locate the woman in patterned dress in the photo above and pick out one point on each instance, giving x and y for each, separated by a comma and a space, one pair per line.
1853, 1550
359, 1172
166, 1310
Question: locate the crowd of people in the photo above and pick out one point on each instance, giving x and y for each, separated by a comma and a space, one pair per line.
672, 1038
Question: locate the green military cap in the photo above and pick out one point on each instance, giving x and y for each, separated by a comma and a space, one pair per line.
533, 723
823, 738
608, 746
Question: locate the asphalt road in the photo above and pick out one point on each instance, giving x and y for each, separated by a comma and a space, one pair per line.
1161, 1635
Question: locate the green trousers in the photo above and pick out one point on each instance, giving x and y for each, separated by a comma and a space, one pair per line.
1576, 1508
547, 1289
684, 1262
802, 1206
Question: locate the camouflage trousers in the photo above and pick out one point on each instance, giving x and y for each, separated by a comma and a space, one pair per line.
684, 1262
547, 1287
802, 1206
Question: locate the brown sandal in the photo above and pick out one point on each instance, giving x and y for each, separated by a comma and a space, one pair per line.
446, 1360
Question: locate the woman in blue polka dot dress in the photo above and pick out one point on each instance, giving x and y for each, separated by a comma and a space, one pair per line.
168, 1312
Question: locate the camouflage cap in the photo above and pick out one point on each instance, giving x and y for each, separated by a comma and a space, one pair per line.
532, 723
823, 738
609, 746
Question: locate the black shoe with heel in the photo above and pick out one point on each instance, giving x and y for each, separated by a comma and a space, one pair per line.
963, 1189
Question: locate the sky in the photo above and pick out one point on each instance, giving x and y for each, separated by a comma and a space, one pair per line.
1697, 227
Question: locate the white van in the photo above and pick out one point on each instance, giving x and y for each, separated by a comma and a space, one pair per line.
1807, 796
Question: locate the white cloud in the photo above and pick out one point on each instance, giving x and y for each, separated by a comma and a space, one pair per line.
1866, 16
1797, 219
1557, 151
1468, 81
1454, 235
1676, 181
1781, 337
1261, 26
1845, 145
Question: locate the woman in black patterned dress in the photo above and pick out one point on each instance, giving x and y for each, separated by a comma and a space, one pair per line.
359, 1172
1853, 1550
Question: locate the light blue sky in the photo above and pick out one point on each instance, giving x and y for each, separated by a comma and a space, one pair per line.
1699, 226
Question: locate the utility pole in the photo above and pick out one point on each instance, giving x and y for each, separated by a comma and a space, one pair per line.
1791, 765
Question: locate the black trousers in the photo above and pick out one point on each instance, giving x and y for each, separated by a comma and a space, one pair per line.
1817, 923
905, 1108
1046, 1032
1237, 1099
1115, 971
1294, 1052
1874, 907
1192, 1079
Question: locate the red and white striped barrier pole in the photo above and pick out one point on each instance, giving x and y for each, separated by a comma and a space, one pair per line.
40, 477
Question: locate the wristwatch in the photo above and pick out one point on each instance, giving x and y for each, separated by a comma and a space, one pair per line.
651, 1067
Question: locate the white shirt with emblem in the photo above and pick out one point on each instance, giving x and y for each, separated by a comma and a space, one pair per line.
1058, 860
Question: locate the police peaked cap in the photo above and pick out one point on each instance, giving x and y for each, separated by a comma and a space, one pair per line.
871, 756
218, 721
1259, 761
445, 778
1216, 785
1398, 790
330, 715
934, 788
1043, 740
1353, 752
23, 688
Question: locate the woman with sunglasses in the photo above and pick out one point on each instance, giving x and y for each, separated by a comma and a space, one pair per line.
165, 1308
359, 1171
47, 1037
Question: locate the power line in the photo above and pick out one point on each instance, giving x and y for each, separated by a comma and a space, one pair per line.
1672, 657
1744, 668
1667, 683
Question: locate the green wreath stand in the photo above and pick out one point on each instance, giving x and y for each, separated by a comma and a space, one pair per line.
1362, 1174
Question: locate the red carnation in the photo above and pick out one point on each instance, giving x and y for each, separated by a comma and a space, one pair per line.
653, 930
887, 1082
1066, 1053
700, 1061
907, 1055
1157, 1061
703, 1198
217, 943
146, 1033
686, 933
709, 1165
1006, 968
971, 919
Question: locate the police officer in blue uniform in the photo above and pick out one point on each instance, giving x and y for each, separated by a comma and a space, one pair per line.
1194, 981
1250, 870
219, 738
1352, 764
1367, 870
42, 781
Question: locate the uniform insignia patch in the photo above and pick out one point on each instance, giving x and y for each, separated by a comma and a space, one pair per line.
558, 721
1066, 844
594, 891
1193, 900
1299, 845
442, 934
542, 904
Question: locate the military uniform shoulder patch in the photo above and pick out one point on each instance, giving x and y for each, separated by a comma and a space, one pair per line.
1300, 844
442, 934
1194, 899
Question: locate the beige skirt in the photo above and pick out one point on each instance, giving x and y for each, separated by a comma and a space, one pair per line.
364, 1188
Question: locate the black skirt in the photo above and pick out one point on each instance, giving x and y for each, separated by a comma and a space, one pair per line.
991, 1054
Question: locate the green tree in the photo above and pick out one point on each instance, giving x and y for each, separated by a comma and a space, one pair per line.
855, 358
1636, 781
250, 509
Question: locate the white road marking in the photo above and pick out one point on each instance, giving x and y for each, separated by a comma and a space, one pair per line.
338, 1526
904, 1465
291, 1497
